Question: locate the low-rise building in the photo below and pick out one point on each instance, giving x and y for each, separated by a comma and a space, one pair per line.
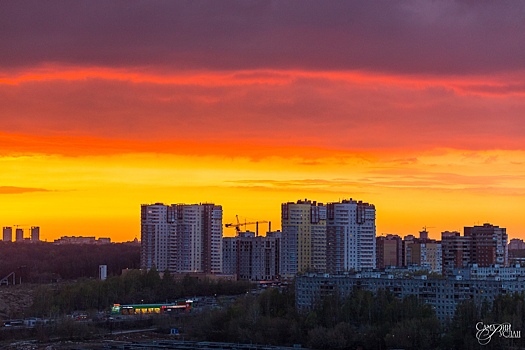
494, 272
442, 294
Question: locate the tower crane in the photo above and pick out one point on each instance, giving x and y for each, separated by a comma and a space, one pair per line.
239, 224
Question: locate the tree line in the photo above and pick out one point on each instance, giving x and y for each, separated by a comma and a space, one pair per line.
42, 262
362, 320
133, 287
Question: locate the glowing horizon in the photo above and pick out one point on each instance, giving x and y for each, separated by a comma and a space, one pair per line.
265, 107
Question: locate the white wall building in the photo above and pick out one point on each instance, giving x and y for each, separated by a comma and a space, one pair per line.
351, 236
182, 237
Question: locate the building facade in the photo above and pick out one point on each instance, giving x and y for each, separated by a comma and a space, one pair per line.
19, 234
516, 244
35, 234
389, 251
182, 237
427, 255
495, 272
252, 257
351, 236
489, 245
303, 243
456, 251
443, 294
484, 246
7, 234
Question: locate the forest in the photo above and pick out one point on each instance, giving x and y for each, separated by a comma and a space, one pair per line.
42, 262
133, 287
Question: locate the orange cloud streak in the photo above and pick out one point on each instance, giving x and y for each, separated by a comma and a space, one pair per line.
488, 86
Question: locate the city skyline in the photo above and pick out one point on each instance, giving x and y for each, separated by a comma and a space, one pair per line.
415, 107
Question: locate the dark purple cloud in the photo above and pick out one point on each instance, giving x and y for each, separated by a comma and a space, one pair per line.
448, 37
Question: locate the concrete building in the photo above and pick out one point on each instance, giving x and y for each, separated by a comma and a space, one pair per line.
19, 234
351, 236
484, 246
516, 244
35, 234
182, 237
103, 272
252, 257
389, 251
229, 255
407, 240
303, 243
496, 272
489, 245
455, 251
443, 294
7, 234
427, 255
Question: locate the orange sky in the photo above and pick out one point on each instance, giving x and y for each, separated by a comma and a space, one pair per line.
430, 135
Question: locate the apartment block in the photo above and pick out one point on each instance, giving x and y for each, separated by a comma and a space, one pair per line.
351, 236
252, 257
19, 234
303, 243
389, 251
427, 255
443, 294
484, 246
35, 234
7, 234
489, 245
182, 237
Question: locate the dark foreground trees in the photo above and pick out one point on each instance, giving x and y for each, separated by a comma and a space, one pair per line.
131, 288
362, 320
506, 308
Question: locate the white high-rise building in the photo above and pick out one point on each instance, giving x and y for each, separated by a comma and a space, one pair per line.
351, 236
155, 237
182, 237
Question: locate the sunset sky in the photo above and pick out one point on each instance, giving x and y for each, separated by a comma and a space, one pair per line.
417, 107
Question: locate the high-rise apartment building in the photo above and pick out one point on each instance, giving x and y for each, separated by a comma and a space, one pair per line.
252, 257
427, 255
351, 236
155, 237
482, 245
182, 237
19, 235
230, 257
303, 243
389, 251
456, 251
7, 234
489, 245
35, 234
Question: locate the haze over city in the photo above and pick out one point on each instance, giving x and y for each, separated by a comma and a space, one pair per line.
416, 107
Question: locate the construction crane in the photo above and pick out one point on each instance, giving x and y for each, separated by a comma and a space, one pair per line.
239, 224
